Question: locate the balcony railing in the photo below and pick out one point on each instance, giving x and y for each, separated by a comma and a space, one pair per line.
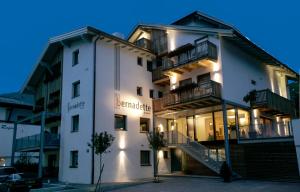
265, 131
203, 50
157, 74
33, 142
272, 102
201, 91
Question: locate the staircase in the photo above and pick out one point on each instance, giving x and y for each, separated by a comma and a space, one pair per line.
199, 152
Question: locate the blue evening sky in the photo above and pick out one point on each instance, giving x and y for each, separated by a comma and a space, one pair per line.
27, 25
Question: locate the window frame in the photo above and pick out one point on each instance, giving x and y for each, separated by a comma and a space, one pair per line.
76, 83
147, 122
151, 93
140, 61
72, 123
149, 66
74, 163
125, 122
75, 57
139, 91
148, 159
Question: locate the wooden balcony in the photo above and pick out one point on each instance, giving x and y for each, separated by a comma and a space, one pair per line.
201, 95
189, 57
158, 76
32, 143
272, 103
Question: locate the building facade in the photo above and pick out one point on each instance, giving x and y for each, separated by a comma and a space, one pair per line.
212, 92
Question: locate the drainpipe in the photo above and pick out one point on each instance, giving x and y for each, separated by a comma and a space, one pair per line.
94, 102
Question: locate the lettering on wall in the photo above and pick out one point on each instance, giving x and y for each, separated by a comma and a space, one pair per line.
129, 104
6, 126
77, 105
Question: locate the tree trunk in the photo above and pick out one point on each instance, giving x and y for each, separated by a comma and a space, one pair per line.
155, 165
98, 185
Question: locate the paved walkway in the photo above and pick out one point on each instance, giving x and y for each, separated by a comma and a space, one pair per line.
182, 184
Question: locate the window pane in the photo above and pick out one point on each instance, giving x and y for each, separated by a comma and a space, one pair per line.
140, 61
120, 122
145, 158
204, 127
75, 123
244, 123
149, 65
76, 89
75, 57
144, 124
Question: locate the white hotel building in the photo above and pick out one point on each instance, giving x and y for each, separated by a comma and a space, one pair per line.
187, 79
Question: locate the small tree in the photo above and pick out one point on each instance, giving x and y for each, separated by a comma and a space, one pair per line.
156, 142
100, 144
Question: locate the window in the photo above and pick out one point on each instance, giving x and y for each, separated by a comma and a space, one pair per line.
139, 91
75, 57
140, 61
203, 78
151, 93
145, 158
120, 122
74, 159
166, 155
76, 89
149, 65
75, 123
185, 82
144, 125
160, 94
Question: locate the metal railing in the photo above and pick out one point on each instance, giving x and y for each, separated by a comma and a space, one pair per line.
203, 89
263, 131
267, 99
212, 158
203, 50
33, 141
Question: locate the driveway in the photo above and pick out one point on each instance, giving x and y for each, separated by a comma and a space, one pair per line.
181, 184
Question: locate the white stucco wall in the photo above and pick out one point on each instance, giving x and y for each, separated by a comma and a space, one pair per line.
123, 162
239, 69
296, 131
70, 141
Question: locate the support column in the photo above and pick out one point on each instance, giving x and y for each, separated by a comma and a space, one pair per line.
237, 123
226, 139
42, 137
12, 159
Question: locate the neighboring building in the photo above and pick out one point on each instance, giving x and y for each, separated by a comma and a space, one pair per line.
189, 80
14, 107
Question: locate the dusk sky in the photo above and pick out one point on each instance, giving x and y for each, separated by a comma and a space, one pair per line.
27, 25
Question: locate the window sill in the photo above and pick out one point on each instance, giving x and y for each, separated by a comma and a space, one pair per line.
75, 131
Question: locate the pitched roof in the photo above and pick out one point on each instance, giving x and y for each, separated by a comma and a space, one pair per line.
223, 29
55, 43
16, 99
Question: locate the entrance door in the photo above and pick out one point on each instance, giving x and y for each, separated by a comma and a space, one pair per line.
176, 160
51, 161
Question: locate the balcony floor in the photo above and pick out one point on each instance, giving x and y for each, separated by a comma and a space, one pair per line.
195, 103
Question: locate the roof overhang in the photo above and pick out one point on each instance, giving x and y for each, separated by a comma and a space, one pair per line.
86, 34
